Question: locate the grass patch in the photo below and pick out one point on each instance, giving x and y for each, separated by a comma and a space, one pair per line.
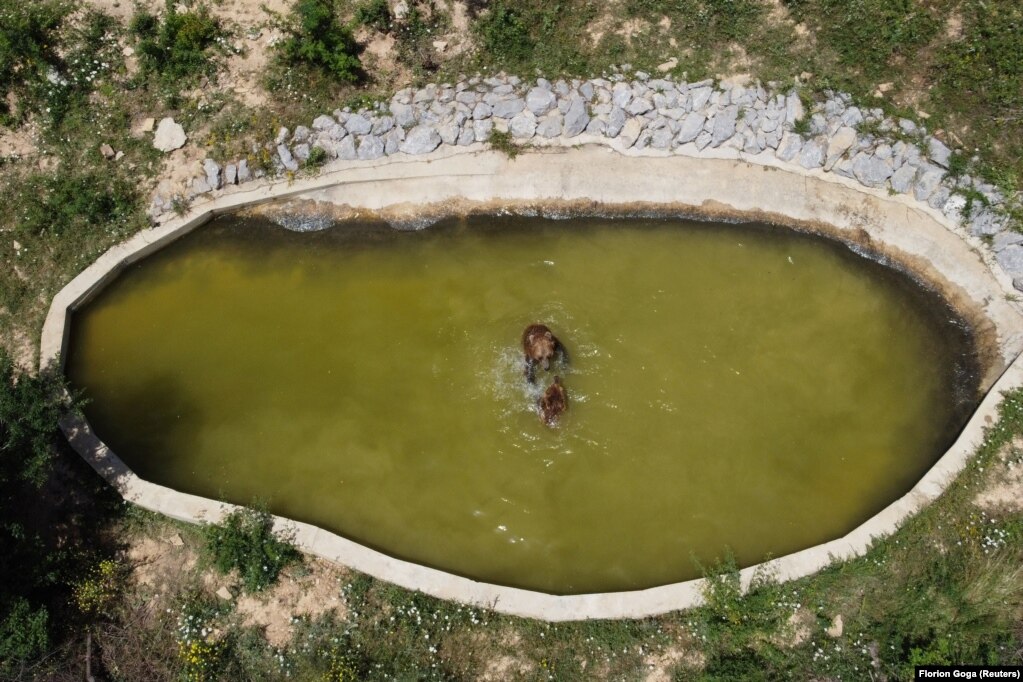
177, 45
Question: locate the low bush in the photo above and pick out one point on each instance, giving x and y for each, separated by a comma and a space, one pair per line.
318, 39
179, 44
245, 541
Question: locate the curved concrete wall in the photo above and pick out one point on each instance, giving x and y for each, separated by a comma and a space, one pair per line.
598, 179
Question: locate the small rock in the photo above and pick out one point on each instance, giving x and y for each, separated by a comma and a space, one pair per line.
482, 129
701, 96
793, 108
939, 153
119, 155
147, 125
225, 593
508, 108
440, 45
482, 111
169, 136
927, 181
230, 174
301, 152
667, 66
107, 151
836, 628
639, 105
282, 135
175, 540
301, 134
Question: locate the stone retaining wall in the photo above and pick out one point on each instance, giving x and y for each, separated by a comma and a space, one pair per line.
693, 119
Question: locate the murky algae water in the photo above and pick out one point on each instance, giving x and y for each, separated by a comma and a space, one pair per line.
731, 387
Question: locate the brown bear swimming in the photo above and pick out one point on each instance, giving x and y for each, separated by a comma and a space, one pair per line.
540, 345
553, 402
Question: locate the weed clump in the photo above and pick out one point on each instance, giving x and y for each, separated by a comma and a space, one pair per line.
245, 541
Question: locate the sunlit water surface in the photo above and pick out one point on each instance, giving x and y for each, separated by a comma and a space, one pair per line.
739, 388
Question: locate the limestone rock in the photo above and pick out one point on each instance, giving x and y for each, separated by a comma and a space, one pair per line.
371, 147
549, 126
244, 175
301, 152
724, 125
630, 132
902, 179
301, 134
576, 118
615, 121
404, 114
928, 179
482, 111
212, 170
1011, 260
871, 170
692, 125
812, 155
169, 136
839, 145
523, 125
422, 139
357, 124
939, 153
346, 149
230, 174
540, 101
323, 123
286, 158
507, 108
482, 129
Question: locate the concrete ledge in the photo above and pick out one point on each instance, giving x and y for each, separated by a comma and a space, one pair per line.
598, 179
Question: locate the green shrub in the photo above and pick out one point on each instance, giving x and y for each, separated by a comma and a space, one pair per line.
317, 38
179, 45
245, 541
29, 47
374, 14
23, 633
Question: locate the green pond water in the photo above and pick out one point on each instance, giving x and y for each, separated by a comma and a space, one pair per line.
731, 387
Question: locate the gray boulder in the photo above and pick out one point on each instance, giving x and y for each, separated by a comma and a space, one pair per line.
507, 108
902, 179
939, 153
540, 101
169, 136
928, 179
371, 147
286, 158
404, 114
422, 139
244, 175
692, 125
1011, 260
230, 174
549, 126
301, 135
812, 154
615, 121
871, 170
724, 125
301, 152
576, 118
212, 170
523, 126
357, 124
346, 149
482, 111
630, 132
323, 122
